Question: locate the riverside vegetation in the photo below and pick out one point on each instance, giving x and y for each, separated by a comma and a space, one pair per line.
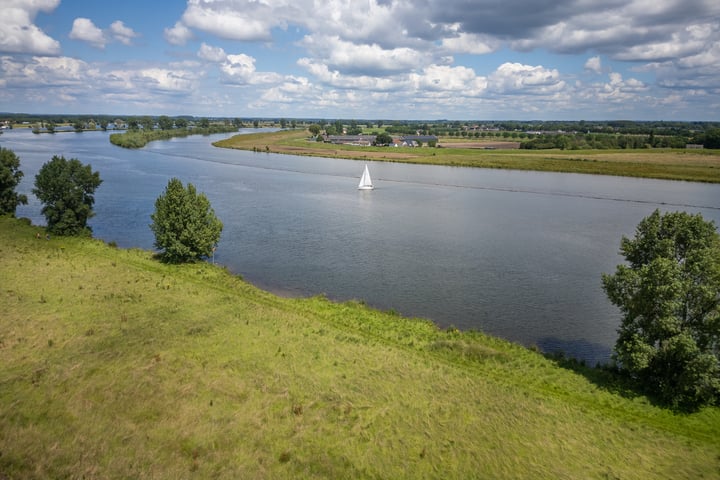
115, 365
662, 163
140, 138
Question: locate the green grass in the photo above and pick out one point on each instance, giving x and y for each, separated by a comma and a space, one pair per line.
668, 164
117, 366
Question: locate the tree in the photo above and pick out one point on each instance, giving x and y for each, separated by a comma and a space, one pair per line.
314, 129
204, 123
669, 296
147, 123
165, 122
383, 139
181, 122
67, 188
184, 224
10, 176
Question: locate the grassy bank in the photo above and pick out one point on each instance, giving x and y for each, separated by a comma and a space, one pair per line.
691, 165
117, 366
140, 138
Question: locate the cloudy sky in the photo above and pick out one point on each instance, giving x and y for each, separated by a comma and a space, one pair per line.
364, 59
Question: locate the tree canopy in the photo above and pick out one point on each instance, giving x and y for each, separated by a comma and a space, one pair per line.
669, 295
66, 188
10, 176
184, 223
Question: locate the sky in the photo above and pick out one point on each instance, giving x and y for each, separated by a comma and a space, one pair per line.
364, 59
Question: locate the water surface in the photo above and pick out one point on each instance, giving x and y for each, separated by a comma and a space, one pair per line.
515, 254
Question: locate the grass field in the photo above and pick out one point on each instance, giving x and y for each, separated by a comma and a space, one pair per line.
113, 365
691, 165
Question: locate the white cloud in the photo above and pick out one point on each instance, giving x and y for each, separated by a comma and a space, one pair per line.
527, 79
84, 29
450, 80
594, 65
46, 71
122, 33
178, 35
166, 79
211, 54
240, 69
231, 20
359, 59
471, 43
18, 33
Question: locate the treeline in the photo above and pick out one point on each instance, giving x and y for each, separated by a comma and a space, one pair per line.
598, 141
139, 138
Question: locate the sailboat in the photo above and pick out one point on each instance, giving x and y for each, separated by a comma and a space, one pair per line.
365, 181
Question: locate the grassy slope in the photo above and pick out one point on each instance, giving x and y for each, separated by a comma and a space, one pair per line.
692, 165
116, 366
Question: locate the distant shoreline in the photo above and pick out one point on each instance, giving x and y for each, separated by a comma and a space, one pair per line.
663, 164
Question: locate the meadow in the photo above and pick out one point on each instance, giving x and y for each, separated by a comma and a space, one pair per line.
115, 365
667, 164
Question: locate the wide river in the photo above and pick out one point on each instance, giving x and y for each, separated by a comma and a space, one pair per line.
516, 254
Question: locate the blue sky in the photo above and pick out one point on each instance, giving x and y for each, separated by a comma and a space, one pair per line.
374, 59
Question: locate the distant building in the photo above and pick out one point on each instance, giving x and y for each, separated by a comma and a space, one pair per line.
362, 140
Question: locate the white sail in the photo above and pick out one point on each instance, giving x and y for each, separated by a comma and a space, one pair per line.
365, 181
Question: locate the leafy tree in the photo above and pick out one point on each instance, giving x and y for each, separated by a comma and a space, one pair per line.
383, 138
133, 124
10, 176
50, 127
67, 188
314, 129
184, 223
712, 139
204, 123
165, 122
181, 122
78, 125
147, 123
669, 295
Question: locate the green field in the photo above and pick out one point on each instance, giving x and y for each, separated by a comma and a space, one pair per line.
668, 164
114, 365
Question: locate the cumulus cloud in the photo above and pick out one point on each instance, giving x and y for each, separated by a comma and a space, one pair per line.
178, 34
231, 19
122, 33
18, 33
239, 69
527, 79
471, 43
593, 64
211, 54
84, 29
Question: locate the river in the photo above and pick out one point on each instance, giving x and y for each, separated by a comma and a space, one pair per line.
515, 254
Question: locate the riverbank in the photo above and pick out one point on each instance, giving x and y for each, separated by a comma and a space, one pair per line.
115, 365
140, 138
665, 164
